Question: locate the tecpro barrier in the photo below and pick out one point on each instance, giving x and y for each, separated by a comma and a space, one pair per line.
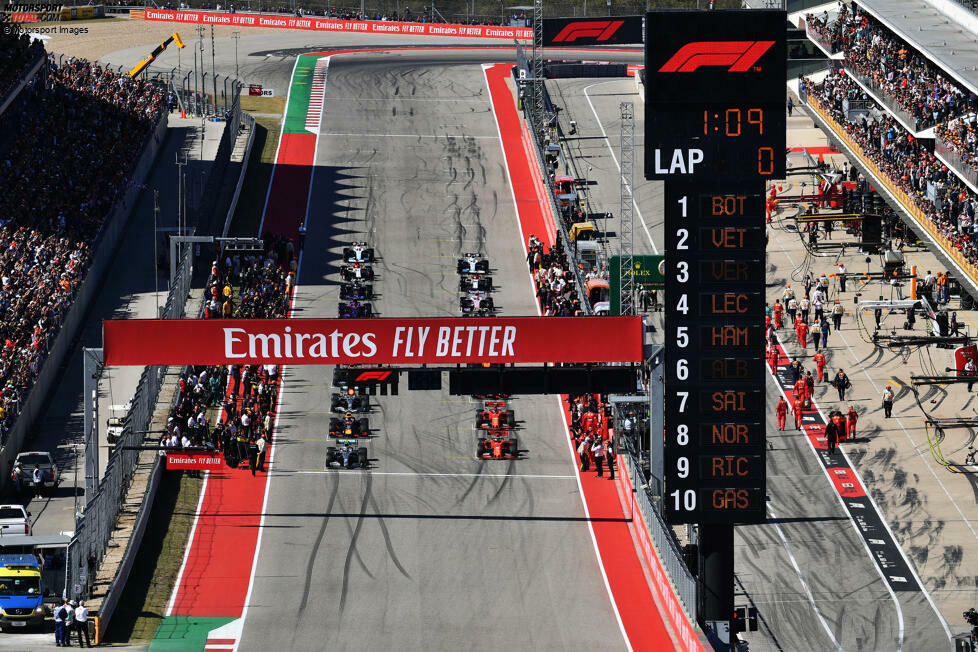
332, 25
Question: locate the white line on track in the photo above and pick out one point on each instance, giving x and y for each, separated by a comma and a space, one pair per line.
560, 407
804, 584
446, 135
190, 543
617, 164
526, 476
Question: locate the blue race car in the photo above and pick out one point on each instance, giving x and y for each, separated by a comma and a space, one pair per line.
355, 309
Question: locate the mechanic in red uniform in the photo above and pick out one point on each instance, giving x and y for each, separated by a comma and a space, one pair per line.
801, 390
802, 330
819, 359
797, 411
851, 417
778, 310
772, 358
782, 412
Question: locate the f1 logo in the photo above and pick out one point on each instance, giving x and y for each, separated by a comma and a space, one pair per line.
738, 55
599, 30
373, 375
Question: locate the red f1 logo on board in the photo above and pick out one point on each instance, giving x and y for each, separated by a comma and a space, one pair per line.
739, 55
599, 30
373, 375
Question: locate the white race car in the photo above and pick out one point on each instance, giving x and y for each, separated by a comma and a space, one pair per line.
473, 264
358, 252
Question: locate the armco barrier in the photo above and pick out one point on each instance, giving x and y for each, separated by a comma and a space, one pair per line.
333, 25
250, 121
105, 244
672, 581
968, 270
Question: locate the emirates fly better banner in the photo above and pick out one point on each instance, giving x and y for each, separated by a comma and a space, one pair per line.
373, 341
334, 25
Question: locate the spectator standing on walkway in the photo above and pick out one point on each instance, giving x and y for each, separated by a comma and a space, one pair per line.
81, 625
842, 383
583, 451
262, 445
609, 454
597, 450
791, 106
17, 475
832, 435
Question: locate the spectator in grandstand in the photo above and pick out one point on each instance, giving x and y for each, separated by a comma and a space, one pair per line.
18, 51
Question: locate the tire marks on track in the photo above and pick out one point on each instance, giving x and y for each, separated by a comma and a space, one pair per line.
352, 550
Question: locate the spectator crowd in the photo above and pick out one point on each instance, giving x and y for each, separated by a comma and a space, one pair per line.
909, 164
17, 52
960, 136
245, 394
70, 140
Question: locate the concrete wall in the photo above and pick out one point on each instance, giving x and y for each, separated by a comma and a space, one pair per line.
105, 245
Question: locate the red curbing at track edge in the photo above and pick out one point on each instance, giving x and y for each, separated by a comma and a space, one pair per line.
634, 597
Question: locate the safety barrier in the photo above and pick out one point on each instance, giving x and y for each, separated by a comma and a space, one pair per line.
94, 527
215, 179
250, 121
905, 201
676, 586
33, 68
881, 96
955, 162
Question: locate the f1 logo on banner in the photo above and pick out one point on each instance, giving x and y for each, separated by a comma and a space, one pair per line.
590, 31
739, 55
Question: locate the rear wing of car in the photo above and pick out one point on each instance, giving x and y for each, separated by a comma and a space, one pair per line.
495, 404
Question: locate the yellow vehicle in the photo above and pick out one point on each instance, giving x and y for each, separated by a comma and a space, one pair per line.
583, 231
21, 596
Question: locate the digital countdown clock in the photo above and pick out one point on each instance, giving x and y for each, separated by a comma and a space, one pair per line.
715, 105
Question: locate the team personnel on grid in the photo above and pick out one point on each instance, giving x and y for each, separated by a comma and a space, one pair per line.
805, 305
796, 409
782, 411
842, 383
851, 418
819, 359
888, 401
778, 311
837, 311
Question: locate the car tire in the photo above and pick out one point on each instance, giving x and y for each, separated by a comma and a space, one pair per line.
488, 282
362, 457
482, 266
480, 448
489, 305
516, 447
330, 455
364, 426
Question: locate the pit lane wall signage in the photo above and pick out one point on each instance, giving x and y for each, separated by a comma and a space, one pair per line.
178, 461
647, 272
331, 25
617, 30
373, 341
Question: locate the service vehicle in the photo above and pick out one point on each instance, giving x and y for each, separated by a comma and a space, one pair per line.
475, 283
355, 310
21, 594
473, 263
358, 252
356, 291
349, 400
476, 303
495, 416
14, 519
347, 456
43, 459
497, 445
357, 271
348, 426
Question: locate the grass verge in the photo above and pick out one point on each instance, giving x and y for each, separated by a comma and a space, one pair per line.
251, 201
154, 572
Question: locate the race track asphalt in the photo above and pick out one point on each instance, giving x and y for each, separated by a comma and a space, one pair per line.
490, 555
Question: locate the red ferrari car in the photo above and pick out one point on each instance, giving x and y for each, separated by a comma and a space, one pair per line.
498, 445
495, 416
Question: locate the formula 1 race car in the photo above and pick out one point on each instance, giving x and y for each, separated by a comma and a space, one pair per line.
473, 264
356, 291
475, 283
495, 416
497, 445
346, 456
357, 271
358, 252
355, 309
476, 303
349, 401
349, 426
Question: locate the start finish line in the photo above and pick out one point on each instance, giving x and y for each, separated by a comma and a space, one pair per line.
373, 341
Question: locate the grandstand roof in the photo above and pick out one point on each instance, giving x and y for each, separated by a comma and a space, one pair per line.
940, 38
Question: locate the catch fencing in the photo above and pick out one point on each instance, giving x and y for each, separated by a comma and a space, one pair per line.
94, 527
